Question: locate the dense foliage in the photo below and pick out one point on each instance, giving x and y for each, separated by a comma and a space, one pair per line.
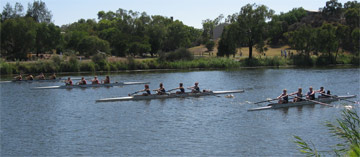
120, 33
328, 32
347, 129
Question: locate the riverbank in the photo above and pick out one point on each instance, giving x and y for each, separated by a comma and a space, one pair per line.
73, 65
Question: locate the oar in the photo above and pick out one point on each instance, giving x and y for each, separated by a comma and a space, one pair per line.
171, 90
134, 93
266, 101
338, 98
321, 103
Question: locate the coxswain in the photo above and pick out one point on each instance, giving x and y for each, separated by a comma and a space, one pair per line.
298, 94
310, 94
30, 77
146, 90
107, 80
68, 82
283, 98
322, 92
195, 88
182, 89
18, 78
161, 89
40, 77
52, 77
95, 80
82, 81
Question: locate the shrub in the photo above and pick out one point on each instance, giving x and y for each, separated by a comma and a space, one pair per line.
179, 54
87, 66
302, 60
210, 45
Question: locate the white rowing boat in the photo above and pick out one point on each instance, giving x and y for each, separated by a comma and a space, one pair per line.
171, 95
302, 103
92, 85
35, 80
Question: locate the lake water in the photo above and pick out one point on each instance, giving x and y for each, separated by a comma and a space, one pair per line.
69, 123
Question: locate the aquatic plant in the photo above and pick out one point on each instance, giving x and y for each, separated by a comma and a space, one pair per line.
347, 128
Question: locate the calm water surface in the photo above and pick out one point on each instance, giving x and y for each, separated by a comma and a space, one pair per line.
68, 122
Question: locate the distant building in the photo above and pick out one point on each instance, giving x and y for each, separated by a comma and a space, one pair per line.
218, 30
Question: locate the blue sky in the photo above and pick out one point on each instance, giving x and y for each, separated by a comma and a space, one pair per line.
190, 12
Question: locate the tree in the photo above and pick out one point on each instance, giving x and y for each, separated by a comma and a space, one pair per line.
210, 45
332, 9
352, 14
47, 37
326, 40
17, 37
302, 39
9, 12
91, 45
39, 12
209, 26
355, 35
252, 24
229, 40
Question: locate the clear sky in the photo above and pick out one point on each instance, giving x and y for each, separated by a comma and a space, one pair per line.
190, 12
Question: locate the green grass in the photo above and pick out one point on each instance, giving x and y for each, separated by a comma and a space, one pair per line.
74, 65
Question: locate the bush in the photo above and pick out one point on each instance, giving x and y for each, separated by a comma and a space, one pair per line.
210, 45
302, 60
88, 66
179, 54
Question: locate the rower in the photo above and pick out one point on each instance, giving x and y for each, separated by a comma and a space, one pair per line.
311, 94
298, 95
40, 77
195, 89
18, 78
30, 77
161, 90
146, 90
52, 77
107, 80
322, 92
68, 82
82, 81
283, 98
182, 89
95, 80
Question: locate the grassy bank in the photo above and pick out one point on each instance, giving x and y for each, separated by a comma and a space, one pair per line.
74, 65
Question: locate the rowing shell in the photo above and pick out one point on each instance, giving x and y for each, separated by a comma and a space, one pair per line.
92, 85
172, 95
46, 80
302, 103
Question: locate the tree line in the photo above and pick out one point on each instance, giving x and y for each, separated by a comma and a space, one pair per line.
333, 29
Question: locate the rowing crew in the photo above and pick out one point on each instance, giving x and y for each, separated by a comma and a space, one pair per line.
69, 82
31, 77
284, 97
161, 90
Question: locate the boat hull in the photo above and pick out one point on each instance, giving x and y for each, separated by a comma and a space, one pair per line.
172, 95
92, 85
302, 103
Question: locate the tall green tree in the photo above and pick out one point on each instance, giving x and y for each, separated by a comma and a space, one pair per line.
39, 12
326, 40
229, 40
302, 40
17, 37
9, 12
91, 45
332, 9
47, 37
252, 25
